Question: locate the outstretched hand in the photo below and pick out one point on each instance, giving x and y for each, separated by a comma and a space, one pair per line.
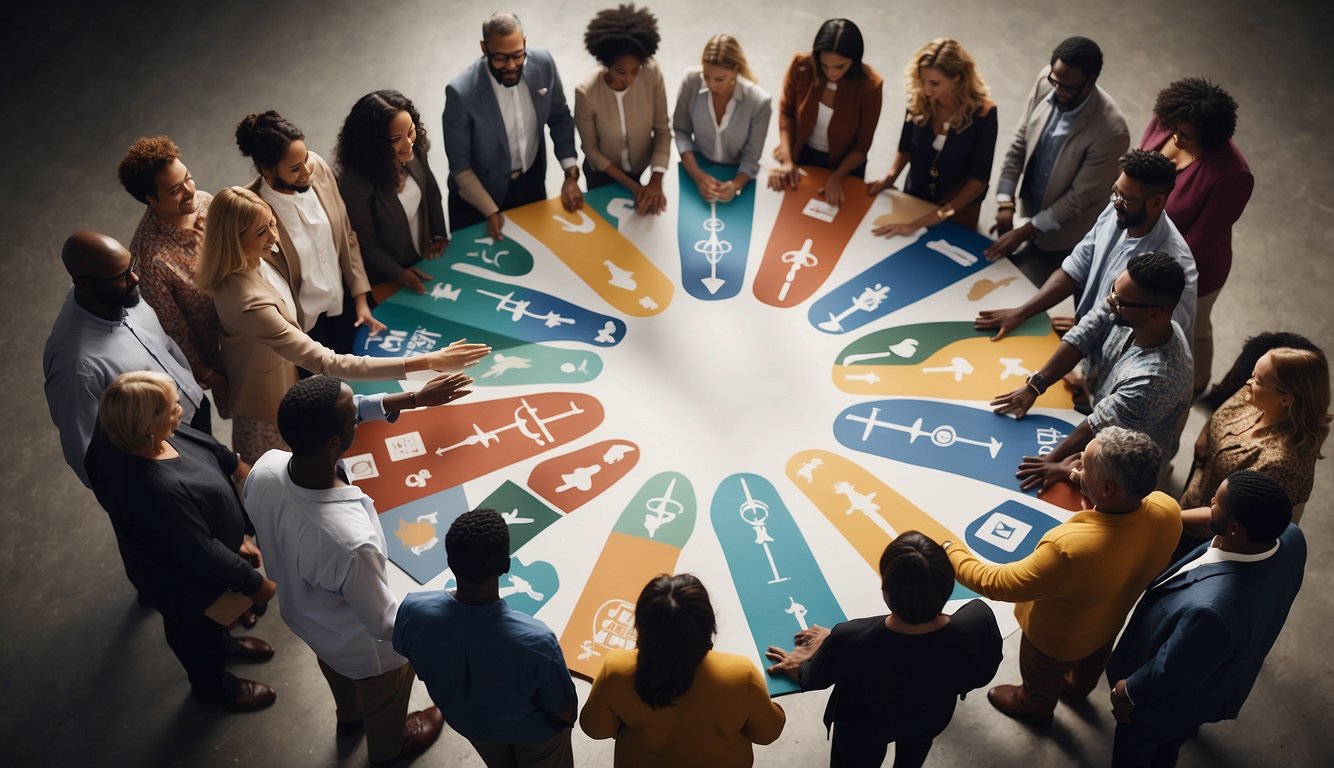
457, 356
445, 388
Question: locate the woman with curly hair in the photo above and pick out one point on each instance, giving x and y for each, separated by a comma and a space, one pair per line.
621, 109
673, 700
948, 137
829, 110
392, 198
1193, 123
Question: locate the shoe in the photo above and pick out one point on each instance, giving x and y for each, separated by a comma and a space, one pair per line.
253, 696
249, 648
348, 728
420, 731
1006, 699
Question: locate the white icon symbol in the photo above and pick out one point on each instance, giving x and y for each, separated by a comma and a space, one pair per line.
361, 467
1003, 532
807, 471
799, 260
484, 254
432, 520
613, 628
587, 650
393, 341
417, 479
524, 415
571, 368
958, 366
519, 309
648, 303
405, 446
1014, 366
862, 503
755, 513
820, 210
500, 363
620, 208
797, 611
512, 518
713, 249
581, 227
1048, 438
868, 377
616, 453
620, 278
608, 333
867, 301
445, 291
663, 509
520, 585
952, 252
581, 479
905, 348
942, 437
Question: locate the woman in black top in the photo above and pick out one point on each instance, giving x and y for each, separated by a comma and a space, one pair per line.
948, 138
180, 528
897, 677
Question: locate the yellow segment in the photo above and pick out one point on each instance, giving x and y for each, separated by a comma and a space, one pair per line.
867, 512
601, 256
943, 375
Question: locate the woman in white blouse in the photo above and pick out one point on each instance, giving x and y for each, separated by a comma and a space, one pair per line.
723, 116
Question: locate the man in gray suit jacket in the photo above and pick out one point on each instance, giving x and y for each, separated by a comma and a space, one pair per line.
494, 113
1198, 638
1064, 151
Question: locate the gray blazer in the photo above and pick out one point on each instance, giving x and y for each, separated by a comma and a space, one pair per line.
742, 139
382, 226
1085, 169
475, 133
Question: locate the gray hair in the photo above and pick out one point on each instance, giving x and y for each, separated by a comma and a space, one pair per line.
1130, 459
500, 23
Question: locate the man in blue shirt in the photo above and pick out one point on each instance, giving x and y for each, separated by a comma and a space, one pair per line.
498, 675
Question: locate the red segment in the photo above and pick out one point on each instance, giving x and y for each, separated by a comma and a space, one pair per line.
572, 480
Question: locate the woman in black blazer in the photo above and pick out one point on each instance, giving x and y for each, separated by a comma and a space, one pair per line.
391, 195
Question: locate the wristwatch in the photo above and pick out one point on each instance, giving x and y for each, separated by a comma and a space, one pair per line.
1038, 384
572, 173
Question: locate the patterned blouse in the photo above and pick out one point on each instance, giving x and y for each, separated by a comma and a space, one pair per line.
1227, 451
167, 258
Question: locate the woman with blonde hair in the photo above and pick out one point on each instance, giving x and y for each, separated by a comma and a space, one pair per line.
673, 700
948, 138
722, 115
262, 346
1276, 425
182, 532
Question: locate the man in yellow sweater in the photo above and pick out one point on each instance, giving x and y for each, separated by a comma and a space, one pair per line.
1072, 594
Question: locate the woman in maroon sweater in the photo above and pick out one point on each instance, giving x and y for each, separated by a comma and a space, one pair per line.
1193, 122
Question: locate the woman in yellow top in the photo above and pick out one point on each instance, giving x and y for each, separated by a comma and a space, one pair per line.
621, 109
262, 345
674, 701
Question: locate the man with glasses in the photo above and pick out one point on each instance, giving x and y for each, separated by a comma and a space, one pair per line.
101, 332
1135, 361
1133, 222
1064, 153
494, 113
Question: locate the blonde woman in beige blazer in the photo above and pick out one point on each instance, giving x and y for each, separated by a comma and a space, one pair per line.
621, 109
262, 344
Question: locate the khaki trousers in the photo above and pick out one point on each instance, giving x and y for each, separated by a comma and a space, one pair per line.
555, 752
1043, 676
381, 701
1204, 340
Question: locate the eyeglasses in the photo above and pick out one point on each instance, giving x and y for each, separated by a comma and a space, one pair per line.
122, 277
1060, 86
501, 59
1118, 198
1116, 302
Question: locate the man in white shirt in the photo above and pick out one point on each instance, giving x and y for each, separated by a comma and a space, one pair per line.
494, 113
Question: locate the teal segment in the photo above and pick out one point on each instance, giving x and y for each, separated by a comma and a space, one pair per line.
714, 240
472, 245
890, 346
525, 514
781, 587
612, 202
662, 511
526, 588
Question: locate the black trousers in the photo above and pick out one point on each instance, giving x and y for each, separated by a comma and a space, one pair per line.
528, 188
200, 644
863, 748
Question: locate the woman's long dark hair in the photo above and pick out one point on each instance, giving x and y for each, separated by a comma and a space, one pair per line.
675, 625
363, 144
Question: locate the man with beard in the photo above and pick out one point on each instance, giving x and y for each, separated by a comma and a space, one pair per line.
1064, 152
494, 113
1133, 222
101, 332
1135, 361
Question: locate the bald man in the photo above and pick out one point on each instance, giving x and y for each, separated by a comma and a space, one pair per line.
101, 332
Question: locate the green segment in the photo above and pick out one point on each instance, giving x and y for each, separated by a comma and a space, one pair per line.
930, 338
518, 504
663, 510
471, 245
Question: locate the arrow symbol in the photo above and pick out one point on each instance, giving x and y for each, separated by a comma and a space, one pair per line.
869, 377
943, 436
958, 366
713, 249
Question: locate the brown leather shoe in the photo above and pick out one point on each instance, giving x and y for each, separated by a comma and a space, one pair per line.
249, 648
420, 731
1006, 699
253, 696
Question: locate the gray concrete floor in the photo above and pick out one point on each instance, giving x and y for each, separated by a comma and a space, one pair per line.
87, 678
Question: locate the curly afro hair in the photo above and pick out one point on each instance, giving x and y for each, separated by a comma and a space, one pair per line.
477, 546
143, 161
1204, 105
1151, 169
1158, 274
308, 414
620, 31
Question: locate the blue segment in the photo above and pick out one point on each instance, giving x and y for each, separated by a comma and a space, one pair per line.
910, 275
612, 202
511, 310
526, 588
952, 438
415, 532
1008, 533
780, 585
720, 232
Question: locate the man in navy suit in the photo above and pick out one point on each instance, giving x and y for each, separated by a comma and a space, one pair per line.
494, 113
1198, 638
